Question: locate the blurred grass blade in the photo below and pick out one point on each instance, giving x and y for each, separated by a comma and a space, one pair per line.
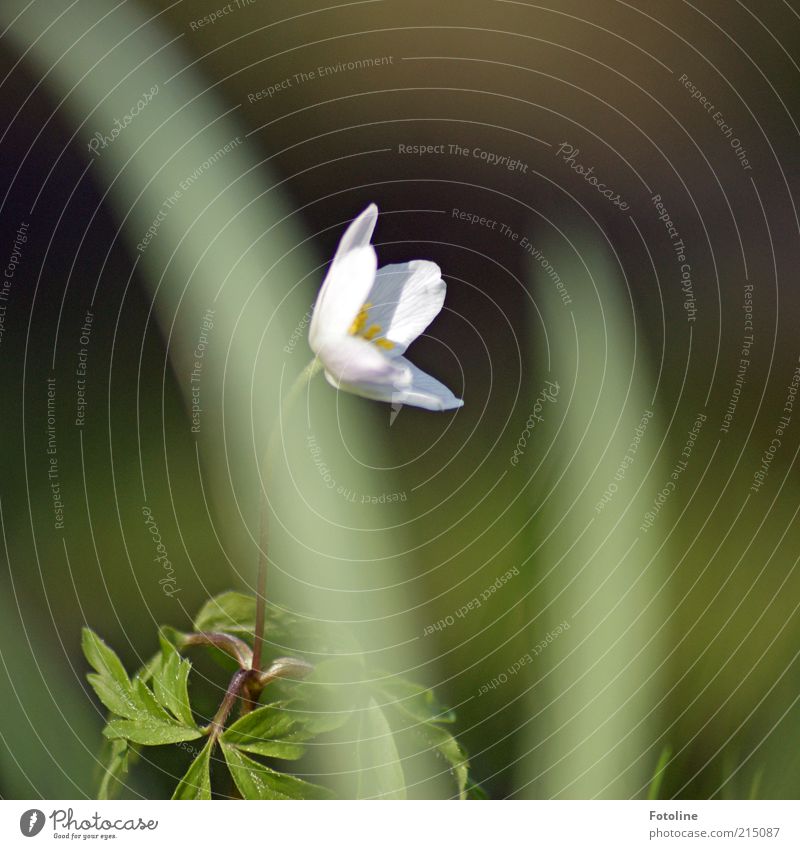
591, 725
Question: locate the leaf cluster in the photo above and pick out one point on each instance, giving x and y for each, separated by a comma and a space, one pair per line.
371, 710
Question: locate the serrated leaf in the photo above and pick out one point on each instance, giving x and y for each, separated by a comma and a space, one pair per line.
272, 731
413, 700
196, 783
148, 731
450, 749
116, 765
110, 680
170, 679
256, 781
146, 672
231, 612
147, 702
380, 770
329, 696
103, 658
171, 636
117, 699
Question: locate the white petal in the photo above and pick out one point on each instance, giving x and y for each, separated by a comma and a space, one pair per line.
421, 390
404, 299
342, 295
356, 238
350, 360
359, 233
425, 391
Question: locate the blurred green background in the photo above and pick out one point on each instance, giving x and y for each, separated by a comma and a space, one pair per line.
682, 634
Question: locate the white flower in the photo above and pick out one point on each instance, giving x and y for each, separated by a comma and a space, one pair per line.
365, 317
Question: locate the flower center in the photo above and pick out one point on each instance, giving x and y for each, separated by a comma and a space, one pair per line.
371, 332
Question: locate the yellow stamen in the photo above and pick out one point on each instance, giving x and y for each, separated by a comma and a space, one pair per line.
357, 328
360, 321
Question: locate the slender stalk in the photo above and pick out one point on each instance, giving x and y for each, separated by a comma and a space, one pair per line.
292, 395
291, 668
233, 692
236, 648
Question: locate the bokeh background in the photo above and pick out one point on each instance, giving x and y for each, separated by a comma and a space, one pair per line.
621, 646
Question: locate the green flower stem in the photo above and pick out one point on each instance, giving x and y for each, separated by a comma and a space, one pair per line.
303, 379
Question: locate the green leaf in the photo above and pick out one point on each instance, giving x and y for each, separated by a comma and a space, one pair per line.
149, 731
170, 679
148, 670
658, 776
279, 730
110, 680
165, 634
450, 749
256, 781
329, 696
103, 659
273, 731
380, 770
196, 783
124, 697
413, 700
148, 704
117, 699
115, 766
231, 612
